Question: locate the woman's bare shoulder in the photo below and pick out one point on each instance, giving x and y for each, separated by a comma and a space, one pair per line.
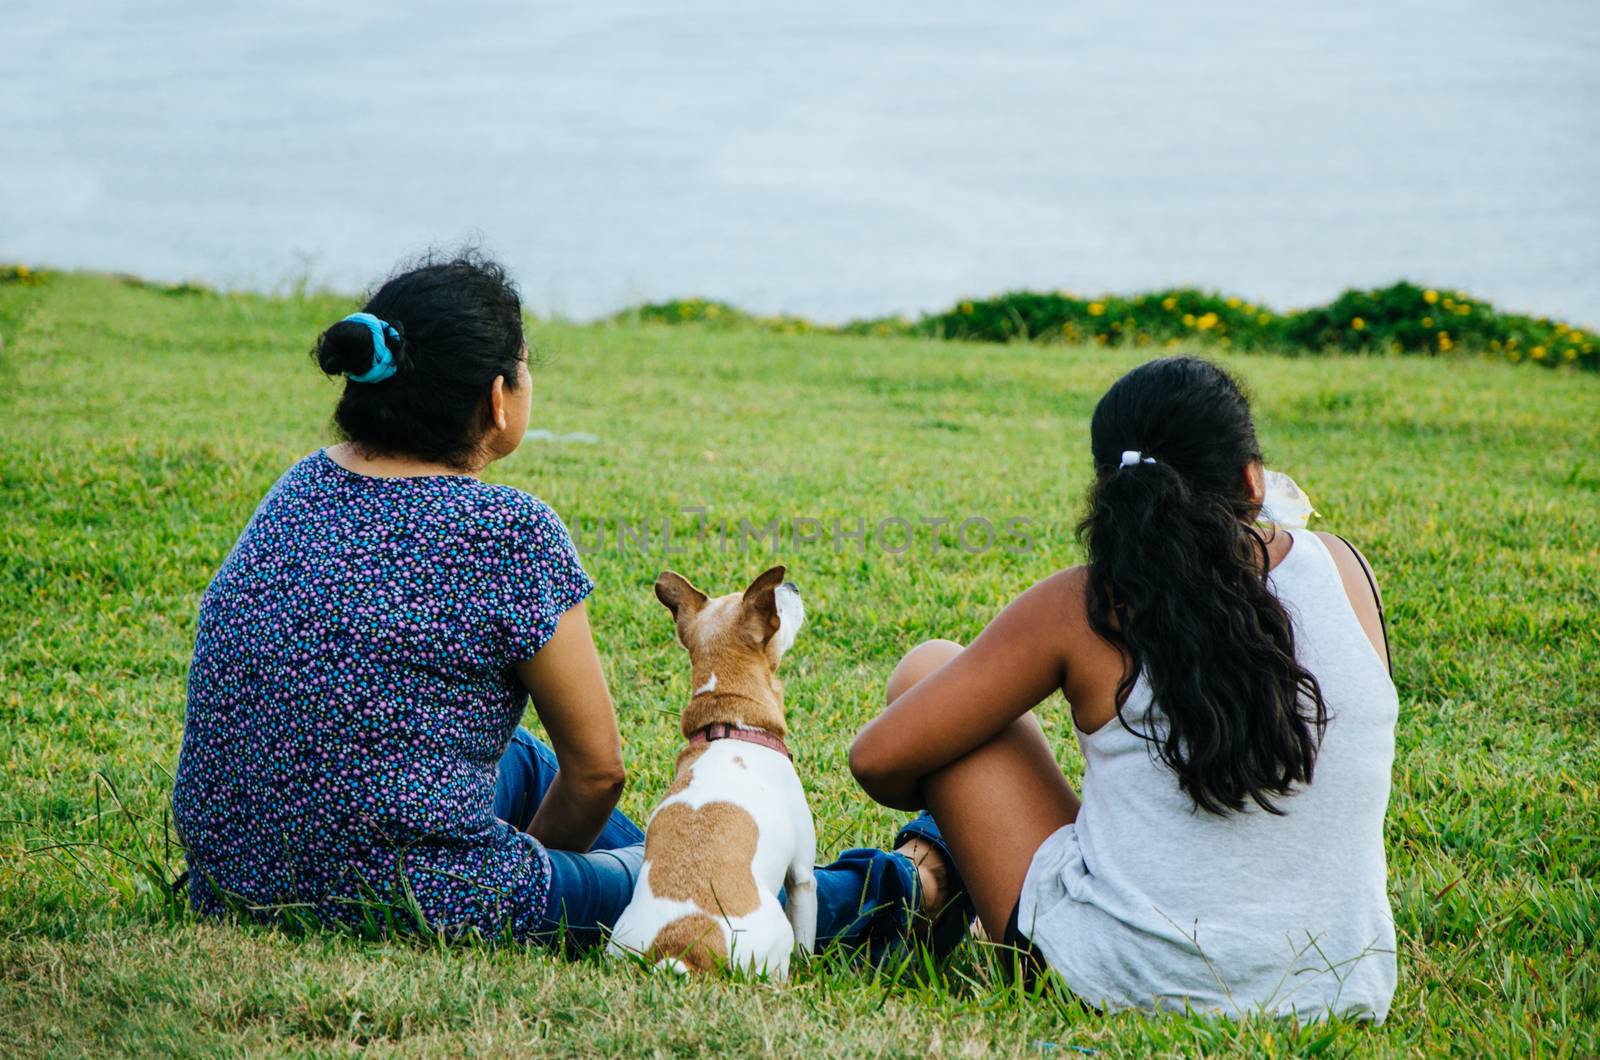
1361, 582
1060, 602
1068, 586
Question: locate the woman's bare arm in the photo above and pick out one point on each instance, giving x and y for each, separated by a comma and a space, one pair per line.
1016, 663
570, 696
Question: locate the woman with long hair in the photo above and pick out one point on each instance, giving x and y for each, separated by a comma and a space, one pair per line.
1229, 687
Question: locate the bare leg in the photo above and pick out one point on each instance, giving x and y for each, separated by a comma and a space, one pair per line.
996, 804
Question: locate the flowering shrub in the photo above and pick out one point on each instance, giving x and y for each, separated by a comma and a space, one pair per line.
1405, 318
22, 274
1165, 318
713, 314
1402, 318
687, 311
31, 277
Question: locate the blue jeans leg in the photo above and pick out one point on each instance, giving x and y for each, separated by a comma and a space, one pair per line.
867, 898
527, 770
588, 890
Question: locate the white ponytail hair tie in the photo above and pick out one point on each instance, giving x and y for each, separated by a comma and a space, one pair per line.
1131, 457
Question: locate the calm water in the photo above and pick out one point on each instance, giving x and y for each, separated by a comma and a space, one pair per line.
830, 158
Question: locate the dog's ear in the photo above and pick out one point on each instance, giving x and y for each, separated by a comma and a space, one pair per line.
761, 601
674, 590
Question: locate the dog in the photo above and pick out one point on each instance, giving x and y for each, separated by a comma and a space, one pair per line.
734, 825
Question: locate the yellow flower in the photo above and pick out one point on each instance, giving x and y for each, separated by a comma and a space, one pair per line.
1537, 353
1358, 323
712, 311
1096, 308
1570, 354
1233, 303
966, 307
1172, 343
1206, 322
1445, 344
1427, 322
1188, 320
1430, 296
1264, 318
1169, 303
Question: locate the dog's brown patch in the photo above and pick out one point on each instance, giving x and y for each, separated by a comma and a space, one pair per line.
685, 769
704, 856
696, 940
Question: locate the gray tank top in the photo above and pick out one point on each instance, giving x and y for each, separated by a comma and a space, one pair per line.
1147, 902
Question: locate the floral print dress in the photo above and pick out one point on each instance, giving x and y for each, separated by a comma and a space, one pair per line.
351, 694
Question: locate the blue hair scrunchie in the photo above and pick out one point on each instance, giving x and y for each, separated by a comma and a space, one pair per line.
383, 365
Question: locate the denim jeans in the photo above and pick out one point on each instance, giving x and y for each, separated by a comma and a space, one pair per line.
864, 899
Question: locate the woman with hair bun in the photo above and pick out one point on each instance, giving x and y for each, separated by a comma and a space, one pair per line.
1229, 686
352, 747
351, 743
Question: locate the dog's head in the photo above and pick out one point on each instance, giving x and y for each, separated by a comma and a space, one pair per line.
735, 643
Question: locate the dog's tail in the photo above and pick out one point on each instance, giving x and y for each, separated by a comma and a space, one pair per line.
672, 964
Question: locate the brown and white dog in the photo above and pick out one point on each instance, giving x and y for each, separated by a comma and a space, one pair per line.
734, 826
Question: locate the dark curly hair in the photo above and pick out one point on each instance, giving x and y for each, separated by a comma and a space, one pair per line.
1177, 581
459, 326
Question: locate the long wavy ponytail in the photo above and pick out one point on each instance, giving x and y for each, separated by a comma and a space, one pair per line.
1177, 580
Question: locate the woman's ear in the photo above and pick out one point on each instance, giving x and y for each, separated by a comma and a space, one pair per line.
497, 403
1255, 482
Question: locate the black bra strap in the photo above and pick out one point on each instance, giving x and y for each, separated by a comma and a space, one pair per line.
1383, 624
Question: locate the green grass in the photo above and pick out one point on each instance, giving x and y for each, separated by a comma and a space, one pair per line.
140, 428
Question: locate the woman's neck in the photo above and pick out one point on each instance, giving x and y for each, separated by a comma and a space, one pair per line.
353, 458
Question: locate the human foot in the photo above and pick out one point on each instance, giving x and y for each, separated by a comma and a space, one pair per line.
933, 875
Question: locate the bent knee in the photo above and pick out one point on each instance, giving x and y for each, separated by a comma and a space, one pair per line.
918, 663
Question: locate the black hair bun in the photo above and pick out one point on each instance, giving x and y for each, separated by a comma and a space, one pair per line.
346, 347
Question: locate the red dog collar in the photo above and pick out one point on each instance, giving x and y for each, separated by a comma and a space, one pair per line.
723, 731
